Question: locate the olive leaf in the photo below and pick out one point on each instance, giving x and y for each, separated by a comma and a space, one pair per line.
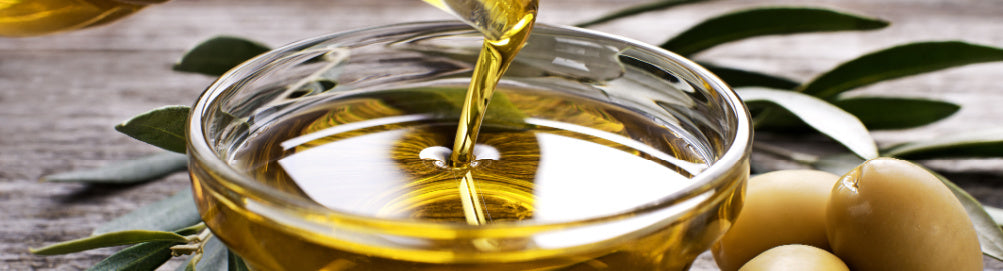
145, 256
501, 110
170, 214
192, 262
990, 235
634, 10
995, 213
765, 21
743, 78
879, 113
218, 55
838, 164
193, 229
896, 62
215, 256
970, 144
127, 172
820, 115
235, 262
109, 240
163, 127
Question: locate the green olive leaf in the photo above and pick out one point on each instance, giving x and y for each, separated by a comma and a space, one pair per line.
193, 229
765, 21
163, 127
995, 213
974, 144
235, 262
838, 164
634, 10
145, 256
767, 118
501, 110
879, 113
743, 78
127, 172
218, 55
990, 235
820, 115
170, 214
214, 257
109, 240
896, 62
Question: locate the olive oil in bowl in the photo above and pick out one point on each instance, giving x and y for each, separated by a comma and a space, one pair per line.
596, 153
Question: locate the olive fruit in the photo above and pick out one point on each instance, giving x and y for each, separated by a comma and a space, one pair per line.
780, 208
889, 214
795, 258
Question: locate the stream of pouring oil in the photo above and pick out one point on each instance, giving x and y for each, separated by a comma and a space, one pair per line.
506, 25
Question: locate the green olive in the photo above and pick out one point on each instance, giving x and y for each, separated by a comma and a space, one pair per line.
889, 214
795, 258
781, 207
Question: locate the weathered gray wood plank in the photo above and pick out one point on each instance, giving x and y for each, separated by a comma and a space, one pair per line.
60, 95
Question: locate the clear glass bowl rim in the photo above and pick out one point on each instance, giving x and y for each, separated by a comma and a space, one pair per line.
199, 151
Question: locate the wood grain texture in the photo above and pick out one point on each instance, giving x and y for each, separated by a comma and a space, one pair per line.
60, 95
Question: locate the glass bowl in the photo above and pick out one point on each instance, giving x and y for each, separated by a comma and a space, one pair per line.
250, 126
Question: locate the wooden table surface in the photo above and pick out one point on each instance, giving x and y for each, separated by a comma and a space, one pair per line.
61, 95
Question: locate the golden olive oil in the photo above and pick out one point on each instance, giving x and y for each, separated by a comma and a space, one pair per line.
386, 155
38, 17
541, 180
542, 158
